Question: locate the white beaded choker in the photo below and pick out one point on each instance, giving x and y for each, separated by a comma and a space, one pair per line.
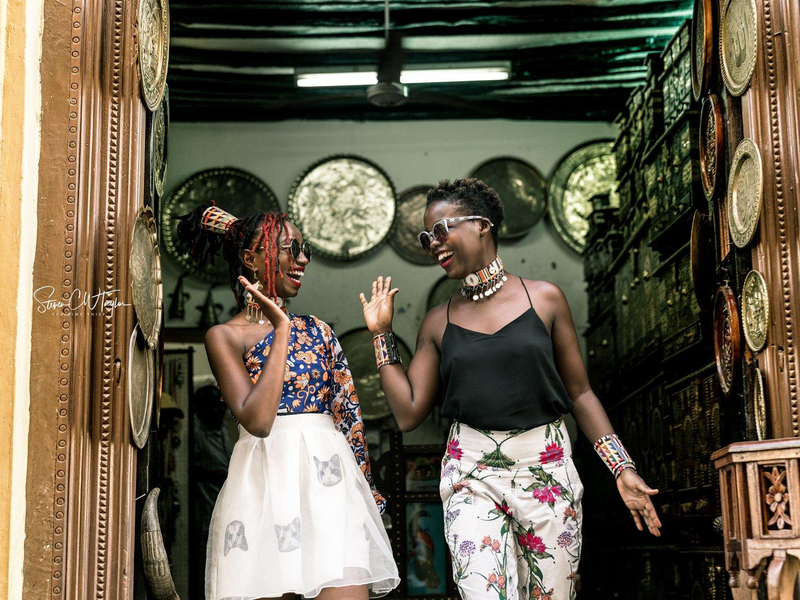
484, 283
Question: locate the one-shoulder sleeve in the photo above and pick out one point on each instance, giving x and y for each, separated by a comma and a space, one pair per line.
346, 409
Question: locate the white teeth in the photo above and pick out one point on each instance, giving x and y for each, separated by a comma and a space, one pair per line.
296, 274
443, 256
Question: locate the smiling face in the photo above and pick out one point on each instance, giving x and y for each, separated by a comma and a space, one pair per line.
469, 246
287, 279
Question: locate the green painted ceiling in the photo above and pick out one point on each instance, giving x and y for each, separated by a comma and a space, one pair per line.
570, 59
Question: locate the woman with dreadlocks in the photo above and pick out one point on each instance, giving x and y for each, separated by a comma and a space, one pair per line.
299, 512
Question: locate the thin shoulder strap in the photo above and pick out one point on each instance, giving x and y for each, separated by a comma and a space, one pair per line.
525, 287
448, 309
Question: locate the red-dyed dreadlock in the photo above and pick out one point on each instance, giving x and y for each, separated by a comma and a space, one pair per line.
248, 232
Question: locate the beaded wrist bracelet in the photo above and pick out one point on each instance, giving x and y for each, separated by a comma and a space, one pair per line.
613, 453
386, 352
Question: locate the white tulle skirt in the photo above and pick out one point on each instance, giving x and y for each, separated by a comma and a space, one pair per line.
296, 515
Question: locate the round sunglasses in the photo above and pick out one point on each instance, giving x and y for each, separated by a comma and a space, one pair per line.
296, 248
441, 229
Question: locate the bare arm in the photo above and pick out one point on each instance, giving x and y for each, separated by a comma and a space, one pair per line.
411, 395
254, 406
589, 412
587, 409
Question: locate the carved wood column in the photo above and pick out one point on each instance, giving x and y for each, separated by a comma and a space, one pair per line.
771, 119
82, 466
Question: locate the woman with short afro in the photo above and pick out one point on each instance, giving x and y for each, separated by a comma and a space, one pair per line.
504, 354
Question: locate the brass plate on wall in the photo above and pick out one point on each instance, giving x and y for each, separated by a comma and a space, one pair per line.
360, 353
411, 206
140, 380
727, 339
522, 189
738, 44
745, 191
711, 138
759, 405
145, 266
234, 190
345, 206
160, 125
153, 42
755, 310
586, 171
702, 46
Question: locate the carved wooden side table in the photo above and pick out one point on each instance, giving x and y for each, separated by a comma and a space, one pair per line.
760, 488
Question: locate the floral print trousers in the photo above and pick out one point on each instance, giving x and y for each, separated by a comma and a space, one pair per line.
512, 506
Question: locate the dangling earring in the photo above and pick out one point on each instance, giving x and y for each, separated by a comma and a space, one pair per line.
253, 312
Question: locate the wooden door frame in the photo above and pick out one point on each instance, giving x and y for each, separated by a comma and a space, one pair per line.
81, 465
771, 117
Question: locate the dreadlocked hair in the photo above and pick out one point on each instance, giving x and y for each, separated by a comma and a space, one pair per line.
200, 244
248, 233
473, 196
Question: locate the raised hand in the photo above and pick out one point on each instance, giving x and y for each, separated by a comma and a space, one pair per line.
271, 311
378, 312
636, 495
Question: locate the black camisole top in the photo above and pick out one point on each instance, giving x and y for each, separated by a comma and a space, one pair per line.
504, 380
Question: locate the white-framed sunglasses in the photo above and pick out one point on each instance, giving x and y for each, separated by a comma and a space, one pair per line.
441, 229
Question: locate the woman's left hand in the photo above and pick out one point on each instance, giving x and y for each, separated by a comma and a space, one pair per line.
636, 496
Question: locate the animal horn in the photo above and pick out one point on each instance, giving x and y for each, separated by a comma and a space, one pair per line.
154, 555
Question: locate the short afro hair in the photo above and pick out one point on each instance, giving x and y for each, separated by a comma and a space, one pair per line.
473, 196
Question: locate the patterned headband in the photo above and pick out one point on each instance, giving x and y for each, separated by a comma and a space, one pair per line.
216, 220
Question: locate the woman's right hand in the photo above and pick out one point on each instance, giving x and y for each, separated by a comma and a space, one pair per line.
378, 312
271, 311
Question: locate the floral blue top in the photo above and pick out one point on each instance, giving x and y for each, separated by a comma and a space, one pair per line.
318, 380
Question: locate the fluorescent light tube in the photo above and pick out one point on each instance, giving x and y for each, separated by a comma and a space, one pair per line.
336, 79
413, 75
454, 75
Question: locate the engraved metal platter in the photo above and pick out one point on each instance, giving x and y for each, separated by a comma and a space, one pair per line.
711, 139
153, 42
442, 290
738, 44
145, 266
755, 310
411, 205
586, 171
702, 46
360, 353
727, 340
759, 405
140, 380
745, 190
234, 190
160, 137
701, 254
345, 206
522, 189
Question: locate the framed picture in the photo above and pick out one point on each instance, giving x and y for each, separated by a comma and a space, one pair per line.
426, 550
420, 548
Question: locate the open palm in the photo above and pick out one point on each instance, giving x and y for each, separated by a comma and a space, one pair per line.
636, 496
379, 310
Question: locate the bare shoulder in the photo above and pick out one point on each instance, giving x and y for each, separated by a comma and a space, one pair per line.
221, 335
432, 327
546, 290
435, 316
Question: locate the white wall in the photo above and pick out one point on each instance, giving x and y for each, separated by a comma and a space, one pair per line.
411, 153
